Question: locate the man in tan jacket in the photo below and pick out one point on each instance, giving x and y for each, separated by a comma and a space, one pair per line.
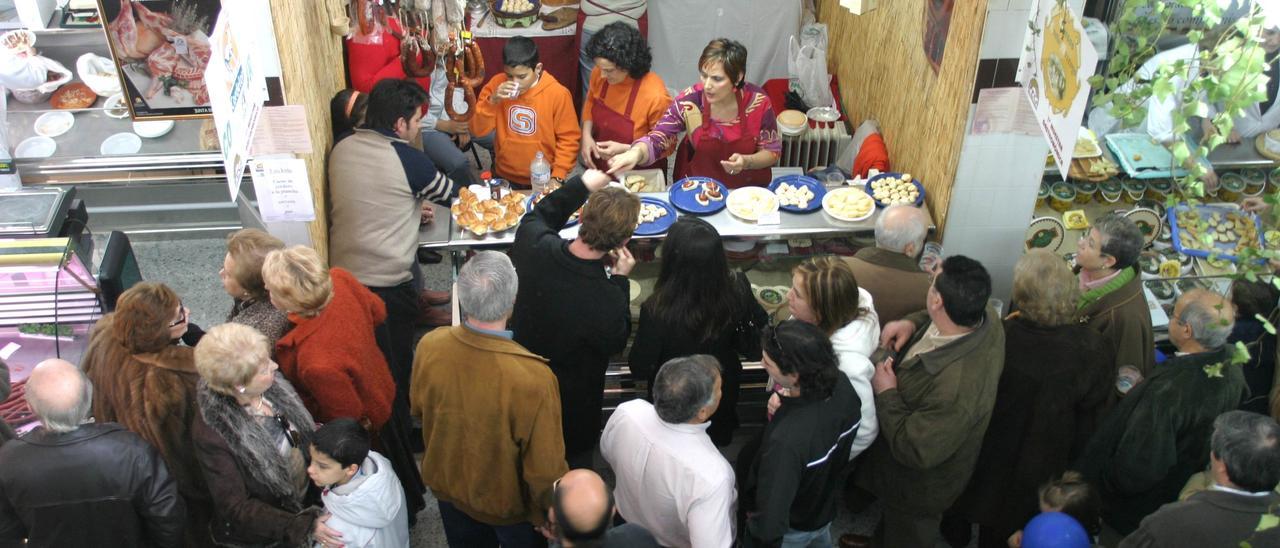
490, 412
889, 271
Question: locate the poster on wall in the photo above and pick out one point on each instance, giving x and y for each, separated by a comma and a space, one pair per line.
1057, 61
161, 49
236, 90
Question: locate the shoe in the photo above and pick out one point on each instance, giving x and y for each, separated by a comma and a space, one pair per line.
850, 540
434, 298
435, 316
429, 256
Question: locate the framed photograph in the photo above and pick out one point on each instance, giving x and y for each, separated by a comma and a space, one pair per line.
161, 48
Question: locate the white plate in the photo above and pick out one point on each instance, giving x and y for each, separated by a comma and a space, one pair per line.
153, 129
836, 193
116, 107
741, 199
121, 143
53, 124
35, 147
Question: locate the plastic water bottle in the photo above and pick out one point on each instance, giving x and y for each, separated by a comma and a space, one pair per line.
539, 174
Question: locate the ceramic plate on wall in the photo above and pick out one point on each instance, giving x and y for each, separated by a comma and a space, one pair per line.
1046, 233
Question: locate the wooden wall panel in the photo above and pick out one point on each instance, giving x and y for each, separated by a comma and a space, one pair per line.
879, 58
312, 66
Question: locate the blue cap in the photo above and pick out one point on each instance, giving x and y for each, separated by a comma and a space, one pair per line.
1055, 530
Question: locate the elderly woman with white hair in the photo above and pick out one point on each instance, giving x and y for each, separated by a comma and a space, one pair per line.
249, 440
889, 271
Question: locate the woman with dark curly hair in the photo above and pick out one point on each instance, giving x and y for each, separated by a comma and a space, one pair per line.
624, 98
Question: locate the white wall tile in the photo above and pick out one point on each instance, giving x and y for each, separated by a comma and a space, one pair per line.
1003, 34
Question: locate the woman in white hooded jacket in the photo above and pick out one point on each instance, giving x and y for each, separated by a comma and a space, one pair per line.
825, 293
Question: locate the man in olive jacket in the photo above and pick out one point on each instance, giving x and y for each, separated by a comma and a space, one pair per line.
1158, 435
1111, 300
934, 407
490, 412
889, 271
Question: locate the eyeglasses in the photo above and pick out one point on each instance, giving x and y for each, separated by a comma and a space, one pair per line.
182, 315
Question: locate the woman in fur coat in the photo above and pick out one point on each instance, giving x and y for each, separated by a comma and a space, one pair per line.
148, 385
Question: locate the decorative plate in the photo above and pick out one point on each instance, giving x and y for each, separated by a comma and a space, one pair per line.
698, 195
1148, 221
1046, 233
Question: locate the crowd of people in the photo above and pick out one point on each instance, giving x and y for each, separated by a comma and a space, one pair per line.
293, 423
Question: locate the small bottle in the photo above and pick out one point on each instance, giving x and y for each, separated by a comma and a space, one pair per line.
539, 174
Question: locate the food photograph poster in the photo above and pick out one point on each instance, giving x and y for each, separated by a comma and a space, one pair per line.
161, 48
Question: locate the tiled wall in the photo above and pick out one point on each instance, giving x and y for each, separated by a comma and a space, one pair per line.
995, 186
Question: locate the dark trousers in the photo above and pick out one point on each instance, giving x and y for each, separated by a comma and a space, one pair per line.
395, 336
464, 532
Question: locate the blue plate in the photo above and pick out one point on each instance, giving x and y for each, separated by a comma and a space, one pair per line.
919, 187
528, 208
801, 180
661, 224
687, 200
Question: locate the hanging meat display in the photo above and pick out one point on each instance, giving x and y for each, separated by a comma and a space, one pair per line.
434, 32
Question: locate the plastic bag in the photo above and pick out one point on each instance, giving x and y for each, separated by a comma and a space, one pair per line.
807, 63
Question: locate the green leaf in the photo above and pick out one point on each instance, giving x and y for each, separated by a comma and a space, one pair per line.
1268, 521
1161, 87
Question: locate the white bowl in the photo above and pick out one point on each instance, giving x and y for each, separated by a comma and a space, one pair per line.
792, 131
152, 129
823, 114
115, 107
53, 124
121, 143
35, 147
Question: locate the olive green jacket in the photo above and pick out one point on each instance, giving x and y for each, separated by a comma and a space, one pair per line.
1123, 318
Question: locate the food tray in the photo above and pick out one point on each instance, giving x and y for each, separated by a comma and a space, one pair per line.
1225, 249
1141, 157
813, 185
659, 225
872, 194
685, 199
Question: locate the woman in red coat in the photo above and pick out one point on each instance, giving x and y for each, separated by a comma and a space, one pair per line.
332, 357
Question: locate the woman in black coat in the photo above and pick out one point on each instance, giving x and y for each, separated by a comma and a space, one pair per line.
699, 307
1057, 376
1253, 299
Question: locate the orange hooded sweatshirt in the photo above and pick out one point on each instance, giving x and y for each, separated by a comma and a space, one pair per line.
540, 119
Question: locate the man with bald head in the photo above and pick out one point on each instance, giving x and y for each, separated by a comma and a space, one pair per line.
68, 483
890, 271
1158, 435
581, 516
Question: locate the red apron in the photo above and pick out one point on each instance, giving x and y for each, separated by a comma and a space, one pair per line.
702, 157
608, 125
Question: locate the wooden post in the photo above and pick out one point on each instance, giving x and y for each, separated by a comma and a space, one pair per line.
312, 70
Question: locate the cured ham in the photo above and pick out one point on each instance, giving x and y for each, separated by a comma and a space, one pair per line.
137, 31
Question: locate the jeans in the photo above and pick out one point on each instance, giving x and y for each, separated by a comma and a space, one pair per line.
447, 157
808, 539
464, 532
585, 64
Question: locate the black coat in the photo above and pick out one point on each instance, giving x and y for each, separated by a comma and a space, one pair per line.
99, 485
656, 342
1054, 383
569, 311
1158, 436
1259, 371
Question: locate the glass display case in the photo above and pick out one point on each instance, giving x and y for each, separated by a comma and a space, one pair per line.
48, 303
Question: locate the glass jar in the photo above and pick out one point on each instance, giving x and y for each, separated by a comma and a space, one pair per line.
1231, 187
1086, 191
1042, 197
1134, 190
1159, 189
1255, 181
1111, 190
1062, 196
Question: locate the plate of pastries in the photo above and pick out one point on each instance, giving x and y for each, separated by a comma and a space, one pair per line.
482, 215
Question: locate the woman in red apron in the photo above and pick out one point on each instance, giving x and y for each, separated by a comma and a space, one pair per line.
732, 129
625, 98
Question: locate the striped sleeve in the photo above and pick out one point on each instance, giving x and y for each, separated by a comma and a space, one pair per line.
424, 179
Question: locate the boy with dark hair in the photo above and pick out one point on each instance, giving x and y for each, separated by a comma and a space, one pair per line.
361, 494
530, 112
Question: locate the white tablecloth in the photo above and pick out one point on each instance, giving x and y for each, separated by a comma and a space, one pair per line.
679, 29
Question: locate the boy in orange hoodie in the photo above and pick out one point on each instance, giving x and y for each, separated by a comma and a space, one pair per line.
531, 112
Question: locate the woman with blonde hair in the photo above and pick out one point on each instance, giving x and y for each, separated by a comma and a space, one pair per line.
825, 293
1056, 379
249, 438
332, 356
147, 384
241, 276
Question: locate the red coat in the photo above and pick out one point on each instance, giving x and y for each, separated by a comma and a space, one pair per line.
367, 63
333, 360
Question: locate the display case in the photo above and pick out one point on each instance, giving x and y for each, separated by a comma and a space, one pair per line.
48, 303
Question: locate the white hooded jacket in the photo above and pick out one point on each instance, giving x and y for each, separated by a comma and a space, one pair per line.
854, 343
374, 514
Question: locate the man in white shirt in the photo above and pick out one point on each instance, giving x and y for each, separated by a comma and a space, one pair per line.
670, 478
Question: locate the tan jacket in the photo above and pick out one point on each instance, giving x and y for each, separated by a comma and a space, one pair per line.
895, 282
490, 414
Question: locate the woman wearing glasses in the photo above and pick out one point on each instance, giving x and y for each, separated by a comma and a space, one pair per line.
147, 384
248, 438
333, 358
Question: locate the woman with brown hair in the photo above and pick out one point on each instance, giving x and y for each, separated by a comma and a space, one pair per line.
241, 276
1057, 376
825, 293
147, 384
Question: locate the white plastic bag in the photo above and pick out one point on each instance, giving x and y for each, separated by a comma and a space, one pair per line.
807, 63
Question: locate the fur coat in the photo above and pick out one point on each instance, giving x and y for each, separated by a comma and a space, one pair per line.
254, 495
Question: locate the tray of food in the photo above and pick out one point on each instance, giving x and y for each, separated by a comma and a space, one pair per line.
750, 203
895, 188
643, 180
516, 13
481, 216
848, 203
656, 216
1226, 228
798, 193
698, 195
